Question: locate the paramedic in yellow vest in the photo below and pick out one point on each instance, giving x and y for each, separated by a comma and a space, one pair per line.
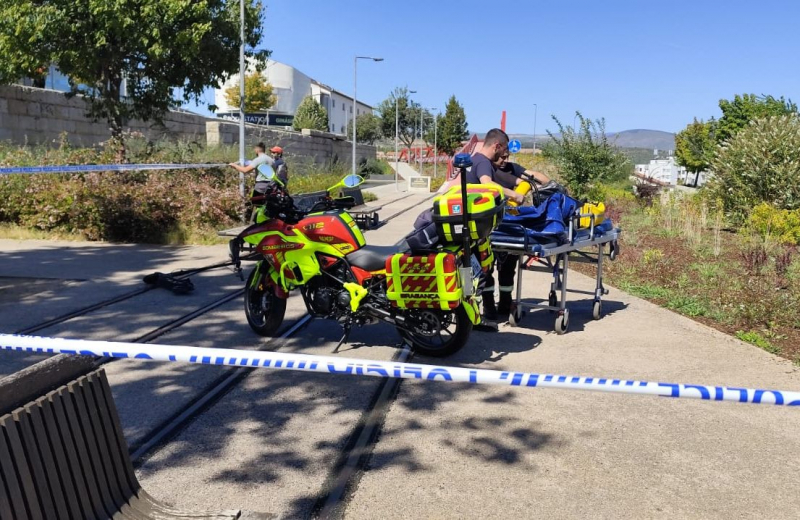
509, 175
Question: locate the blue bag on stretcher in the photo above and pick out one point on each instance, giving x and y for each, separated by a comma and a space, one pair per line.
546, 223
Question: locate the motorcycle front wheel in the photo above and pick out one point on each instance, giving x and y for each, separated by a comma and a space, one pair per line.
263, 308
441, 333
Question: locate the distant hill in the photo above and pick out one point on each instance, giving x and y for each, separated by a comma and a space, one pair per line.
645, 139
652, 139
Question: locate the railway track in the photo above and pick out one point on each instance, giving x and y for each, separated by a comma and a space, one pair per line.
349, 465
178, 275
223, 384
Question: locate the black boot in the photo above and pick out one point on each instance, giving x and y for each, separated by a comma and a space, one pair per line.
489, 321
504, 306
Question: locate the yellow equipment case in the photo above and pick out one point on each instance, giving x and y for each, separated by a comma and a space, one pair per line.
423, 282
485, 205
598, 209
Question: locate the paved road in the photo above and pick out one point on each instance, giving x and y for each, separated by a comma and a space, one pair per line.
465, 452
447, 451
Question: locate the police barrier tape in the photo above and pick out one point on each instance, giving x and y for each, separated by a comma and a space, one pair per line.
363, 367
103, 168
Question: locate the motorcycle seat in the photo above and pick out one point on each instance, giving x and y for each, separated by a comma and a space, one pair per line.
371, 258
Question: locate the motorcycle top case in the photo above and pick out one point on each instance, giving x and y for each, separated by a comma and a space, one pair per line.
485, 206
423, 282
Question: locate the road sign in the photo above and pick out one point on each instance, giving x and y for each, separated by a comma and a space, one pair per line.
514, 146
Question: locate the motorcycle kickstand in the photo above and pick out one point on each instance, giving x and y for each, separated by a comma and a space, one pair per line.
347, 328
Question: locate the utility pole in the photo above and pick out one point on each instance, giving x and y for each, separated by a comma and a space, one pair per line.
435, 138
396, 140
241, 95
355, 100
421, 135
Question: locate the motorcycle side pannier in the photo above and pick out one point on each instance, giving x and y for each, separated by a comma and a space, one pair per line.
423, 282
485, 205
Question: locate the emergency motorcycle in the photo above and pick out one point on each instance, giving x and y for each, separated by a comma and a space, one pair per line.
430, 297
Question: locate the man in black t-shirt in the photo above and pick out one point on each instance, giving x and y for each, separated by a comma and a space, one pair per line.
509, 174
483, 169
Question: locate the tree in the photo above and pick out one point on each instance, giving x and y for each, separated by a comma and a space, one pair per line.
156, 46
736, 114
408, 115
310, 114
452, 127
585, 157
258, 95
761, 163
694, 146
368, 128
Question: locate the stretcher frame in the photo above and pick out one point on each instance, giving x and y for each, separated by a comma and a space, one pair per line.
554, 257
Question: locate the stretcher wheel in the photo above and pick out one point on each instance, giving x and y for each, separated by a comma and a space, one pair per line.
614, 253
552, 300
597, 309
516, 316
562, 322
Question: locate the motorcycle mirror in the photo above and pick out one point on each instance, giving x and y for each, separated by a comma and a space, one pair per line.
266, 170
352, 180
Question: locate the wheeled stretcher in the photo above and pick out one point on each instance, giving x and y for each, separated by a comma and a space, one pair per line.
546, 251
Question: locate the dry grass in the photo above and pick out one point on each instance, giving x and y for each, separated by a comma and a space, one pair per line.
678, 257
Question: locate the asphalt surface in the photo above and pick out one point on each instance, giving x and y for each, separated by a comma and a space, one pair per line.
446, 450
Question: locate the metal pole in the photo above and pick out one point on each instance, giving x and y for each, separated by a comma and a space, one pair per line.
421, 135
535, 113
355, 101
241, 95
396, 144
416, 133
435, 147
355, 77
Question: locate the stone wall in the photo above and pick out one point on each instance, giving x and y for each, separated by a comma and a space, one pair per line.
322, 147
39, 116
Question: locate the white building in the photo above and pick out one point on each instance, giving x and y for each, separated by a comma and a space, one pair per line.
668, 171
290, 87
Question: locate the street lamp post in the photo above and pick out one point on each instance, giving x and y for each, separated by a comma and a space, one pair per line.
535, 113
396, 137
241, 95
435, 137
421, 135
355, 100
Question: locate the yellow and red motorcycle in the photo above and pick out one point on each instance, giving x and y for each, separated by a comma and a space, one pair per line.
430, 297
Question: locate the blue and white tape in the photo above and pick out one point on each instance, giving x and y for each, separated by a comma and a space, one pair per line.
103, 168
363, 367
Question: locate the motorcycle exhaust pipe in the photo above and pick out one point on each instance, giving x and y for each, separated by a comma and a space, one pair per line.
384, 315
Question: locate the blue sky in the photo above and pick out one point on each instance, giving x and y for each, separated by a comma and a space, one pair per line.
640, 64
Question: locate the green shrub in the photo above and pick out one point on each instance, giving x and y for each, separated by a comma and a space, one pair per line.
310, 114
374, 167
761, 163
781, 224
585, 157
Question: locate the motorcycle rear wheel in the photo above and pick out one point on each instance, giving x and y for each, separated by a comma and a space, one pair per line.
455, 328
262, 307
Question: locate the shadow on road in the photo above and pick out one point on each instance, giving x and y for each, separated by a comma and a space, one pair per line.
286, 429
